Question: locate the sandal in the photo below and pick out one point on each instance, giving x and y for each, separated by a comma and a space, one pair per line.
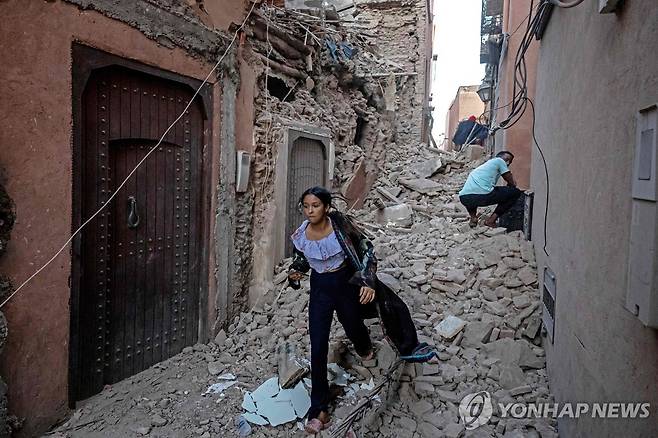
314, 426
422, 353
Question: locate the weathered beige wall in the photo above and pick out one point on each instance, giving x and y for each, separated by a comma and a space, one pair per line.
594, 73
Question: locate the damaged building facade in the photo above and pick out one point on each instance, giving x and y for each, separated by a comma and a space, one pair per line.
304, 96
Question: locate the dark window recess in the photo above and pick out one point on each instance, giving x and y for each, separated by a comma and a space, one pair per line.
360, 129
548, 301
277, 88
646, 154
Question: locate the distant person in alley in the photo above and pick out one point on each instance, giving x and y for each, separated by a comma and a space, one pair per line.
480, 188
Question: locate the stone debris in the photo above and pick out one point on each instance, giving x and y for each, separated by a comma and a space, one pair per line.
449, 327
291, 368
472, 293
400, 215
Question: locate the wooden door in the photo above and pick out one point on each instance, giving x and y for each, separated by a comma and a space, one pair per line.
140, 262
307, 169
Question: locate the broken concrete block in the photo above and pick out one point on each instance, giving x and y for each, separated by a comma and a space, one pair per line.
494, 334
452, 430
389, 281
290, 368
400, 215
220, 339
216, 367
390, 193
527, 275
427, 168
421, 408
514, 262
511, 376
422, 185
450, 327
521, 302
477, 333
428, 430
407, 424
429, 369
158, 421
423, 388
532, 329
524, 389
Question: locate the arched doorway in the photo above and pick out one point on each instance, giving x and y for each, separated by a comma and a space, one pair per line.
307, 168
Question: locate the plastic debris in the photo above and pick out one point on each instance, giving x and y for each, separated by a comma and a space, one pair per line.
218, 388
243, 426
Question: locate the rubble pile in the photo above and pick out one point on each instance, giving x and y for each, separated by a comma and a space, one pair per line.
472, 293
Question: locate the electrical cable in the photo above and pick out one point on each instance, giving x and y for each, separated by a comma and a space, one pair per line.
520, 98
123, 183
548, 181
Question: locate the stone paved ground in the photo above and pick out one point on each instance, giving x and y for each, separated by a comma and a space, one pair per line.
472, 293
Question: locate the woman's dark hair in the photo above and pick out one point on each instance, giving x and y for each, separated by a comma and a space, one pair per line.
321, 193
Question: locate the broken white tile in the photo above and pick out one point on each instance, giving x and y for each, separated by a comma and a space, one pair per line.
254, 418
268, 389
248, 403
227, 376
369, 386
301, 401
218, 388
276, 412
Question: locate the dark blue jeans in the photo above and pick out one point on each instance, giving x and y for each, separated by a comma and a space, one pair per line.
331, 291
505, 197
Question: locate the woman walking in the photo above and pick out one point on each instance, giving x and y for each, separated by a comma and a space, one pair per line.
343, 280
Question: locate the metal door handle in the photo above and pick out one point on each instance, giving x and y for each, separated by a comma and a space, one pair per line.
133, 215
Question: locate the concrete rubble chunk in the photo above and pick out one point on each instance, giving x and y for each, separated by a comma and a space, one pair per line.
477, 333
511, 376
291, 369
524, 389
390, 193
427, 168
527, 276
422, 185
510, 351
400, 215
389, 281
220, 339
450, 327
215, 368
428, 430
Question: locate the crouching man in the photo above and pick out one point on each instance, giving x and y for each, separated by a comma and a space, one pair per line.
480, 188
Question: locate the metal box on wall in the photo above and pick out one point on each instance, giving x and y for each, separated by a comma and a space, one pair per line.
642, 288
